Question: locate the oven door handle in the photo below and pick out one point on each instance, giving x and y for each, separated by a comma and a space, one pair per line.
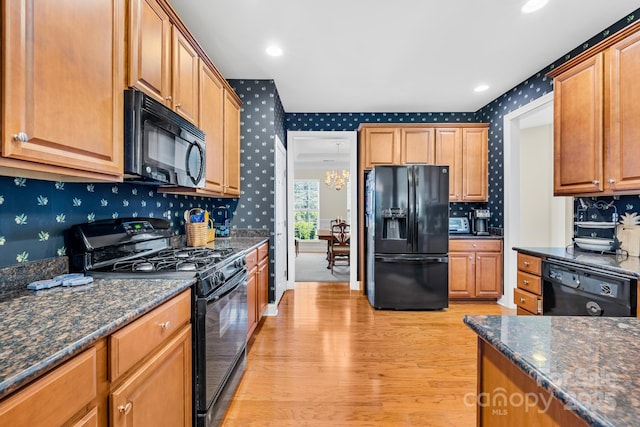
228, 287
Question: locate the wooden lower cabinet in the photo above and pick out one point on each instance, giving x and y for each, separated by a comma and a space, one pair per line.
257, 285
155, 389
58, 398
158, 393
503, 385
528, 293
475, 269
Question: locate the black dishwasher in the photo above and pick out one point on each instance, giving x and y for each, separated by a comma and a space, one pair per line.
578, 290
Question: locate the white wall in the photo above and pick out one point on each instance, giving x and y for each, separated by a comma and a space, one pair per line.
544, 220
332, 203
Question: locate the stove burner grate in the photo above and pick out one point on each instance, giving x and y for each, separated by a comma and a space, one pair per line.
179, 259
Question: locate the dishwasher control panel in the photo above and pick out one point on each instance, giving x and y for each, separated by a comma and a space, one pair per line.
587, 281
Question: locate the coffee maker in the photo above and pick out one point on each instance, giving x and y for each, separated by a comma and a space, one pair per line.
479, 219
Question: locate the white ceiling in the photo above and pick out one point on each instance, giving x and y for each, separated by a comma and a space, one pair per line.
392, 56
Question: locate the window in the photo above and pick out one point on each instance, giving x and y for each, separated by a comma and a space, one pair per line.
306, 194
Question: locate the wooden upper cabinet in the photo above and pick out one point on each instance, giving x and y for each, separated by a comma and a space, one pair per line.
448, 142
231, 144
211, 122
578, 129
475, 164
596, 125
417, 145
62, 91
185, 77
162, 62
150, 50
381, 146
622, 166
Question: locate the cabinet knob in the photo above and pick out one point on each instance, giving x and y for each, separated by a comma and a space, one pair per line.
165, 325
178, 105
21, 137
475, 246
125, 409
526, 263
522, 300
595, 182
525, 282
168, 98
611, 181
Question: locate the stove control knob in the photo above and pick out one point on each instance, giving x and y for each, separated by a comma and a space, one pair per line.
219, 279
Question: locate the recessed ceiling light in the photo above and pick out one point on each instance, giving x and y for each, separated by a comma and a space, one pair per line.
481, 88
274, 50
533, 5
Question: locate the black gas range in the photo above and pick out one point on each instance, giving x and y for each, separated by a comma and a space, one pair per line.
147, 247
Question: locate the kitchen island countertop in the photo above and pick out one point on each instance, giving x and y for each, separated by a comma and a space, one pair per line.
590, 364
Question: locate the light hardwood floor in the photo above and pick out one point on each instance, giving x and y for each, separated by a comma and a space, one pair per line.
329, 359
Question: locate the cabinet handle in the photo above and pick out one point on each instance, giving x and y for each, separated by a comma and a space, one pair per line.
522, 300
595, 182
525, 282
526, 263
611, 181
21, 137
125, 409
168, 98
165, 325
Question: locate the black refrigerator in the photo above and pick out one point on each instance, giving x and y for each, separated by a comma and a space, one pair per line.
407, 224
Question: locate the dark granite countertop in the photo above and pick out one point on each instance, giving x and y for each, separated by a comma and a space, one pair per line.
40, 330
621, 264
471, 236
588, 363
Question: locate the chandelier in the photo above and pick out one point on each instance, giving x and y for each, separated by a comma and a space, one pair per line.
336, 179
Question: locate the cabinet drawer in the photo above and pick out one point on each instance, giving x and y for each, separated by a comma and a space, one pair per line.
528, 301
522, 312
134, 342
530, 282
263, 251
252, 259
478, 245
56, 397
530, 264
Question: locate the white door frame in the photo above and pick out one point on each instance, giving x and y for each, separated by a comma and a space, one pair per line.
511, 193
352, 138
280, 241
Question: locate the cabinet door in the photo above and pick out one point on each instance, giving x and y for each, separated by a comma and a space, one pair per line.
381, 147
252, 301
475, 164
417, 145
488, 275
578, 129
62, 95
184, 77
263, 286
449, 152
231, 145
150, 50
211, 122
461, 275
622, 167
159, 392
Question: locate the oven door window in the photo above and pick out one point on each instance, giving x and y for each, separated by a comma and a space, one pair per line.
225, 337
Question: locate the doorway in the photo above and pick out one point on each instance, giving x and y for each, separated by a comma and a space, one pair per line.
320, 152
532, 215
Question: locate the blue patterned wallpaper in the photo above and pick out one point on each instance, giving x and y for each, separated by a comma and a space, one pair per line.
34, 214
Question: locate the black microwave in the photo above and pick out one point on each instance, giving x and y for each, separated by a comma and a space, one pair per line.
160, 146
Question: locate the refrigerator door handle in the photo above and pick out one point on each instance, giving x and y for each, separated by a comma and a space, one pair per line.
425, 260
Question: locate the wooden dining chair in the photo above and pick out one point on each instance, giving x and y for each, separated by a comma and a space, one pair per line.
340, 248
